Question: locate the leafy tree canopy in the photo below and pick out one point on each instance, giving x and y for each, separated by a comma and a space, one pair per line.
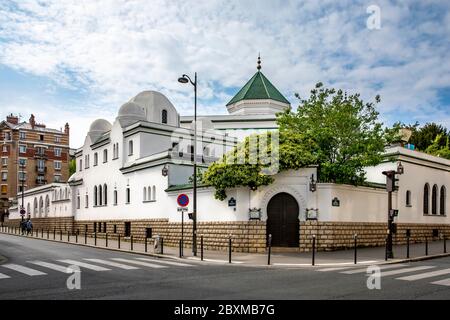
331, 129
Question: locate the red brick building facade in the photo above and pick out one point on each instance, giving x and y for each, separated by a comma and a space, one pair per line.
31, 155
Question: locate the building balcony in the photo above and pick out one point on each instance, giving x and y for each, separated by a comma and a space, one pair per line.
40, 156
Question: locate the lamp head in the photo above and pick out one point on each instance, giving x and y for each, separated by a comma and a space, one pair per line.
183, 79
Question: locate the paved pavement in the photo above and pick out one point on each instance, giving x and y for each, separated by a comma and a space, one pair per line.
39, 269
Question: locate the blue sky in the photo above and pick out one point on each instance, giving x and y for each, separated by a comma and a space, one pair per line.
78, 60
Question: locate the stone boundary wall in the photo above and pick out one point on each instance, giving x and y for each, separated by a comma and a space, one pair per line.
339, 235
248, 236
59, 224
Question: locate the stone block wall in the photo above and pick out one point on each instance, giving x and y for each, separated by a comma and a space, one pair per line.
59, 224
247, 236
340, 235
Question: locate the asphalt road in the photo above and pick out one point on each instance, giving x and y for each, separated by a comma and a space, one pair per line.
36, 269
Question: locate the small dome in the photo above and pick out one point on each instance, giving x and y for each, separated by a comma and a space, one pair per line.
130, 113
100, 126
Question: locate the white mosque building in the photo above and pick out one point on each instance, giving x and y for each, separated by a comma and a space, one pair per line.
130, 172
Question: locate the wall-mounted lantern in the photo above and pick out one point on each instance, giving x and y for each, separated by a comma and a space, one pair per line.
165, 171
312, 184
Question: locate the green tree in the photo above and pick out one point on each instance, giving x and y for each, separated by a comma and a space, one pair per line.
425, 136
437, 150
72, 167
345, 129
331, 129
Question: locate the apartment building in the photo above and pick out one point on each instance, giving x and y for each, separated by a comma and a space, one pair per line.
31, 155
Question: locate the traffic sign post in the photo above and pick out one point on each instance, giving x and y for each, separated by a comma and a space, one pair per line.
183, 202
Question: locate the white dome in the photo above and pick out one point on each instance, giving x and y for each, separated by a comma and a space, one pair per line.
130, 113
100, 125
98, 128
154, 104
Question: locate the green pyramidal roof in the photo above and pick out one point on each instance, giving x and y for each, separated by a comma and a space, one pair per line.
258, 87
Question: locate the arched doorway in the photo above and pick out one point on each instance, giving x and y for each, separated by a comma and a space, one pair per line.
282, 220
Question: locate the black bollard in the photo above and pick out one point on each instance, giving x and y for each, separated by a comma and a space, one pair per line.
48, 235
54, 233
42, 233
270, 249
445, 244
180, 253
106, 240
426, 246
85, 238
385, 250
407, 246
229, 250
201, 248
162, 245
131, 243
313, 250
145, 245
356, 249
95, 238
118, 241
60, 235
76, 237
68, 236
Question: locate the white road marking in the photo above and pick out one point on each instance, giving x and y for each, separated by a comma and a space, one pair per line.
214, 260
113, 264
382, 267
445, 282
171, 263
52, 266
140, 263
4, 276
85, 265
425, 275
22, 269
406, 270
333, 269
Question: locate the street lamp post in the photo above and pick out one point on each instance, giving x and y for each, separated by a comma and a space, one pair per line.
185, 79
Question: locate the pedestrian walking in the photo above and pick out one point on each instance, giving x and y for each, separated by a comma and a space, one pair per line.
29, 225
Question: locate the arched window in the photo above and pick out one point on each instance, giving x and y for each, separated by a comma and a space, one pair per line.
408, 198
95, 196
434, 199
164, 116
426, 198
130, 147
47, 205
100, 195
105, 155
95, 159
86, 199
35, 207
41, 206
105, 194
154, 193
442, 201
115, 197
145, 194
29, 209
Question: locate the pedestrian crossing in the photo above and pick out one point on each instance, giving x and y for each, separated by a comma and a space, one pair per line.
42, 268
403, 272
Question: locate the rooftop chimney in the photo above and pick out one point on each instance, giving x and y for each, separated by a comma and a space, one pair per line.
66, 129
32, 121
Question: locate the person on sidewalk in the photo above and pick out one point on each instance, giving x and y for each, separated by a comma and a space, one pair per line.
29, 226
23, 226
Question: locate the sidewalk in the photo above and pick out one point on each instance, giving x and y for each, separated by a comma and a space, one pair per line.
373, 255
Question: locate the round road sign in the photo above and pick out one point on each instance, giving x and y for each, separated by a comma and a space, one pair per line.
183, 200
22, 212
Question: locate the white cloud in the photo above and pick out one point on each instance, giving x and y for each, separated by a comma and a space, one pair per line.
115, 49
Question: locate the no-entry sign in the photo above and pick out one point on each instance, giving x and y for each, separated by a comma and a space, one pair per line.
183, 200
